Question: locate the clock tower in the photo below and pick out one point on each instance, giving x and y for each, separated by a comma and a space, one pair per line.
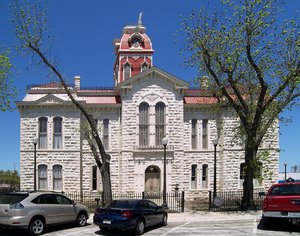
133, 52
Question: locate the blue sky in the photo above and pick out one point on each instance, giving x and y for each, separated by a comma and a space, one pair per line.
82, 32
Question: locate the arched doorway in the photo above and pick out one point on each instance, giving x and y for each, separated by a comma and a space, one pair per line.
152, 179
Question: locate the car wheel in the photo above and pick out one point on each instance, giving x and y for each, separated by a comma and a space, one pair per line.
81, 219
164, 221
140, 227
36, 226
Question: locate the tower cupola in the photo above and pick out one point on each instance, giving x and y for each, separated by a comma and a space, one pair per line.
133, 52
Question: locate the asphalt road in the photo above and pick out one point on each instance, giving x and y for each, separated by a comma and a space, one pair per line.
237, 227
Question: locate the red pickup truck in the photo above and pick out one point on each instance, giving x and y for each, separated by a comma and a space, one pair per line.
282, 202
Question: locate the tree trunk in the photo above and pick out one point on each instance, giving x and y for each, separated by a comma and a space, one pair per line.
250, 156
106, 182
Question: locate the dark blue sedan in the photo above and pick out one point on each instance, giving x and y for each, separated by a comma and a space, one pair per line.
130, 214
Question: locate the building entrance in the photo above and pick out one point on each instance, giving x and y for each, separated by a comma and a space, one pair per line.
152, 180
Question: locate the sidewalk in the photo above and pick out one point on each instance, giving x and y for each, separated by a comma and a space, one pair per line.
214, 216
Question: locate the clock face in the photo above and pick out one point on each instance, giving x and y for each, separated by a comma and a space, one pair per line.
136, 42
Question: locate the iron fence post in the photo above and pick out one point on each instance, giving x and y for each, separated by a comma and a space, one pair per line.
182, 201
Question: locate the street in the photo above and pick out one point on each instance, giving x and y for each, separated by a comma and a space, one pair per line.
178, 226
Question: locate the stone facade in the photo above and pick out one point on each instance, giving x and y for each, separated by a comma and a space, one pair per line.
190, 127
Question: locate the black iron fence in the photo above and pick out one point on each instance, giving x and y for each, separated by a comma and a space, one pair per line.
232, 201
175, 200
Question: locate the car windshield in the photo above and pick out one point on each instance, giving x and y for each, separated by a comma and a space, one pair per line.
123, 204
286, 190
12, 198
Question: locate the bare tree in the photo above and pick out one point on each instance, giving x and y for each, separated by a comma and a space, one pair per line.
30, 21
253, 64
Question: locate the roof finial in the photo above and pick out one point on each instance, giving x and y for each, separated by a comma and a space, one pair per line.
140, 19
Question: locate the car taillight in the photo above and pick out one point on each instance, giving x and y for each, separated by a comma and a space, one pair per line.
127, 214
16, 206
98, 211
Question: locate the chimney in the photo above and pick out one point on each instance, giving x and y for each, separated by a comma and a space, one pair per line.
77, 82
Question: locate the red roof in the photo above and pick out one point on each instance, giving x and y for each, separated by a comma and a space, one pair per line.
200, 100
102, 100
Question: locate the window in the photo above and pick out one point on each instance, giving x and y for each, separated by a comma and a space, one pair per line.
242, 173
63, 200
257, 181
194, 177
43, 121
127, 71
94, 178
194, 134
257, 174
42, 177
159, 122
204, 134
204, 176
144, 124
57, 177
144, 67
57, 133
105, 134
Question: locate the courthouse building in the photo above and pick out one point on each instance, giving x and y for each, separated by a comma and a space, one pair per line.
145, 105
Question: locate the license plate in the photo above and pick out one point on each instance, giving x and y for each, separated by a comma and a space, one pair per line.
295, 214
106, 221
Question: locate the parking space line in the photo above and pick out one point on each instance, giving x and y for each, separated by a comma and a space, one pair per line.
175, 229
77, 232
254, 227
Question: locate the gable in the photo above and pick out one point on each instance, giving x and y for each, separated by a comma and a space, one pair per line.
50, 99
156, 73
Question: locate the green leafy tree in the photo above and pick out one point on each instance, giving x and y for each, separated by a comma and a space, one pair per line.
252, 62
30, 21
10, 179
7, 91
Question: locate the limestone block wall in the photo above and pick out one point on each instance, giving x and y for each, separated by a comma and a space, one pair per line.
67, 157
150, 90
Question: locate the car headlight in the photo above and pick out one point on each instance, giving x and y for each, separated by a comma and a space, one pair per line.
16, 206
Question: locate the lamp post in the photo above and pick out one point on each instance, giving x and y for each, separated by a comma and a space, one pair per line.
215, 143
165, 142
34, 141
285, 164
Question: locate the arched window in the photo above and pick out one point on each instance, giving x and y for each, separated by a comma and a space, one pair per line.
42, 177
127, 71
159, 122
194, 134
95, 178
57, 133
57, 177
205, 176
204, 134
144, 124
242, 173
43, 123
257, 180
105, 134
194, 177
144, 67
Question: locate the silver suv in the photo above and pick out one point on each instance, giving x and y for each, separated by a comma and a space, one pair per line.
36, 210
